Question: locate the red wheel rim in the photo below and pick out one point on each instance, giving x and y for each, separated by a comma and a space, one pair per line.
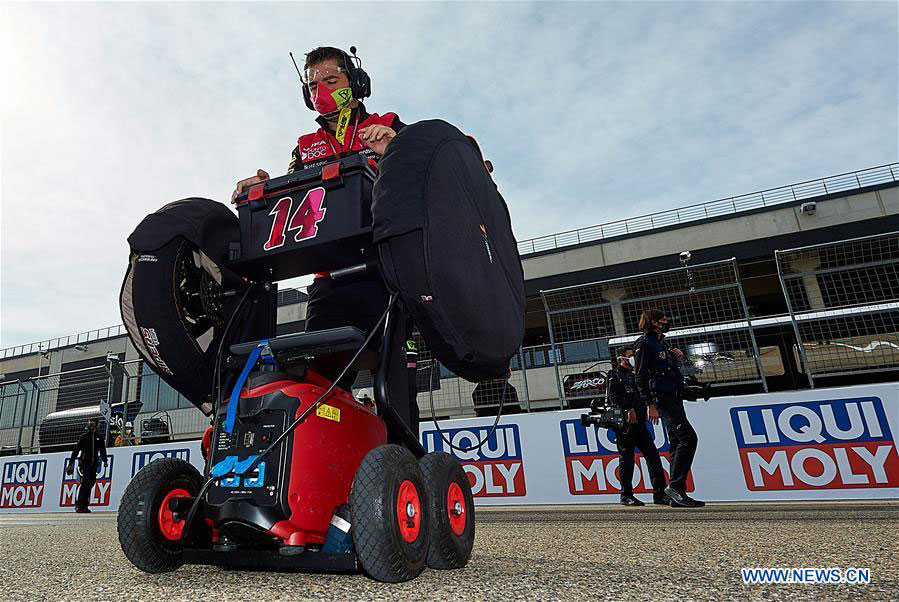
455, 508
408, 511
170, 528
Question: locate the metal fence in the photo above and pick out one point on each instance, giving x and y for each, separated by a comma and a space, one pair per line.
448, 395
14, 407
161, 413
747, 202
705, 304
49, 413
66, 341
843, 298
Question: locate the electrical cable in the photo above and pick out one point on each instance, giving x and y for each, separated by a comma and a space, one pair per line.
291, 427
502, 402
217, 388
327, 392
217, 383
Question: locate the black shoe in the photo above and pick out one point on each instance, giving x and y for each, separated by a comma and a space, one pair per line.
661, 499
682, 500
630, 500
82, 511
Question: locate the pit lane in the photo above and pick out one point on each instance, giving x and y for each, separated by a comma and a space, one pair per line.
547, 553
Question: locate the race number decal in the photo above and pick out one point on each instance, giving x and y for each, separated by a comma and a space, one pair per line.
281, 211
305, 219
308, 215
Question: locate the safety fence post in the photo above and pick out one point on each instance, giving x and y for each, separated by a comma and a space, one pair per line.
524, 377
755, 347
552, 350
36, 397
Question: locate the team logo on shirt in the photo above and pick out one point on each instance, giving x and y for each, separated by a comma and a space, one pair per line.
316, 150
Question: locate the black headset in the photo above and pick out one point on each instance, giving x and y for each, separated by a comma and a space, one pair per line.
360, 82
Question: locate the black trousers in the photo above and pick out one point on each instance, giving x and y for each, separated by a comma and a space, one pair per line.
681, 438
86, 487
360, 301
638, 436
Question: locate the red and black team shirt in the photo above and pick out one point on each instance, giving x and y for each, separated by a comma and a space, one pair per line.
314, 150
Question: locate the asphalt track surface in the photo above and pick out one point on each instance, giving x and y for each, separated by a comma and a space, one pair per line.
546, 553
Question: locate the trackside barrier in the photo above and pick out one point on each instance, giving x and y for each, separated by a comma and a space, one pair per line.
820, 444
39, 483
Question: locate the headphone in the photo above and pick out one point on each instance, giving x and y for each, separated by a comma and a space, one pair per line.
360, 82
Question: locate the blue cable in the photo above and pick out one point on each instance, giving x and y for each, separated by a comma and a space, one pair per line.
235, 393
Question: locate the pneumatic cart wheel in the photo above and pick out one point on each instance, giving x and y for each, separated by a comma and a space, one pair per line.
148, 533
390, 519
451, 510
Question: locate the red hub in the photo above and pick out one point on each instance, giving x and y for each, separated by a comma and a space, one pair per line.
455, 507
408, 511
170, 528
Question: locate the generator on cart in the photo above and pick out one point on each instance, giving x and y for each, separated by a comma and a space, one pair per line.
301, 475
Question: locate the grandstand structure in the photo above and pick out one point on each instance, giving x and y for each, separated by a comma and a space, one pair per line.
784, 289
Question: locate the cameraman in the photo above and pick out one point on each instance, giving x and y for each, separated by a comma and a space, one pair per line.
622, 388
660, 379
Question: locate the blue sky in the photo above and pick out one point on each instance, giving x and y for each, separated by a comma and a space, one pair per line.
590, 112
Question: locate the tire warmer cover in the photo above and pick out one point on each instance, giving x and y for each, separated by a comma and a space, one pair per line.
446, 247
175, 270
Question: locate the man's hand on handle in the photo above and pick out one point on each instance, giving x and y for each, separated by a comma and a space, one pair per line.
376, 137
261, 176
631, 417
653, 413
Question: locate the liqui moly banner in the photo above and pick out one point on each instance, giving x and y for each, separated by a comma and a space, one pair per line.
832, 444
71, 479
43, 483
591, 459
494, 469
838, 443
24, 482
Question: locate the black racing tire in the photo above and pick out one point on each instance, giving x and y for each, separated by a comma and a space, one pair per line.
140, 534
388, 550
452, 535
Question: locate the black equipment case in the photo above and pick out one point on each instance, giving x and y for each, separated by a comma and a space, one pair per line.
320, 222
445, 241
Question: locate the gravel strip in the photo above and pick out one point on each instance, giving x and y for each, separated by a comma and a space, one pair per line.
550, 553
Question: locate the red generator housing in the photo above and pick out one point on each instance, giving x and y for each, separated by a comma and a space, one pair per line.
313, 469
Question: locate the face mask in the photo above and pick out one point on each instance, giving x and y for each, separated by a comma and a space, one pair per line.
330, 100
632, 361
664, 327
